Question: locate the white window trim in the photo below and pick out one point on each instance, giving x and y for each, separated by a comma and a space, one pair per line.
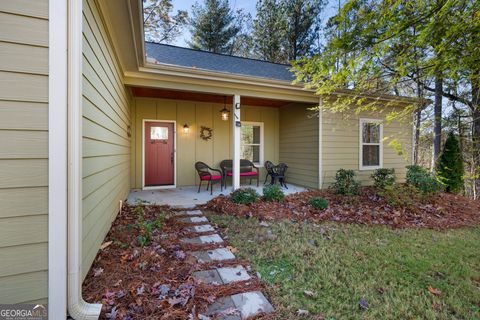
262, 139
361, 144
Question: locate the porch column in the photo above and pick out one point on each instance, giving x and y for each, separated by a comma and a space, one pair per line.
236, 141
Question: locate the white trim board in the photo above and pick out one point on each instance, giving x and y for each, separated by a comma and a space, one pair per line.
361, 167
174, 185
262, 140
57, 160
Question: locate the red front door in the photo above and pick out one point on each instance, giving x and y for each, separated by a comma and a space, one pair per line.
159, 153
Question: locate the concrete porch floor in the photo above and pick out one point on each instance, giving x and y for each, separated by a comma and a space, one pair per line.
187, 197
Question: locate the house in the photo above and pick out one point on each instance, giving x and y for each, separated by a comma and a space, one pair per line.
82, 101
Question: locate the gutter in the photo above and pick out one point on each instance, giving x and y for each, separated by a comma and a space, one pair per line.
78, 309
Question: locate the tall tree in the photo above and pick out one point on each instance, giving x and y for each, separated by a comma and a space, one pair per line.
302, 26
215, 27
160, 24
450, 165
448, 31
269, 30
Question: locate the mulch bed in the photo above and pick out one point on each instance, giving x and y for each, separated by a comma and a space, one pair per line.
155, 281
440, 211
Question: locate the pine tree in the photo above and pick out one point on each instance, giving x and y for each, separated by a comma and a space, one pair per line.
215, 26
450, 165
269, 31
303, 26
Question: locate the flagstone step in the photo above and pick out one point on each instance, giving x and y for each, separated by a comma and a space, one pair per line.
219, 254
189, 213
240, 306
222, 275
201, 228
212, 238
193, 219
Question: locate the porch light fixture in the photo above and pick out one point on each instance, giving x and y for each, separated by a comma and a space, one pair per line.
224, 112
186, 128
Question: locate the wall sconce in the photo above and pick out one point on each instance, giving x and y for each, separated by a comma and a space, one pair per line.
224, 112
186, 128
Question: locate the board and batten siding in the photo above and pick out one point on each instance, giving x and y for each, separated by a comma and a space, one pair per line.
190, 147
341, 144
23, 151
106, 145
299, 144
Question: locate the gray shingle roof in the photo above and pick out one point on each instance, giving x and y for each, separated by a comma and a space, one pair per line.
190, 58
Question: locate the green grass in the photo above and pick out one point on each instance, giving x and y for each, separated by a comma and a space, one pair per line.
343, 263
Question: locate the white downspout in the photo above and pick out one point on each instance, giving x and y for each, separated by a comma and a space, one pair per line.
78, 309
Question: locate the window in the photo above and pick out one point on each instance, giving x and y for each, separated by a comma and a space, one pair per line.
158, 133
371, 147
251, 142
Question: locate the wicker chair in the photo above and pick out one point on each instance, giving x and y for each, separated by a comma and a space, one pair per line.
247, 170
205, 174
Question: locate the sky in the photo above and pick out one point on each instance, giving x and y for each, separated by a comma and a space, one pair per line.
246, 5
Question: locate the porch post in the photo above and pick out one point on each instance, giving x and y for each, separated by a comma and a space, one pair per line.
236, 141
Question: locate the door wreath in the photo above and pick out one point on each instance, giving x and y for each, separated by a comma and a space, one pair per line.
206, 133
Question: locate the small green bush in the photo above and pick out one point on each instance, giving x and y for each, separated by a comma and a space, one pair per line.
401, 195
345, 182
273, 193
383, 178
423, 180
318, 203
244, 196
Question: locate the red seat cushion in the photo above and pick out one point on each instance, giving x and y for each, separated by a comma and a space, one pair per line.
212, 177
244, 174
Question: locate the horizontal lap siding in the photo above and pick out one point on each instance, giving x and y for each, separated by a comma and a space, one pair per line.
299, 144
190, 147
23, 151
106, 145
341, 144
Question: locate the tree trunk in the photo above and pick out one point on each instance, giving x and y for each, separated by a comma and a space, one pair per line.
437, 130
476, 135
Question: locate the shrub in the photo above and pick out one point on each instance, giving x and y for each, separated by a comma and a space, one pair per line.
345, 182
423, 180
318, 203
273, 193
402, 195
244, 196
450, 165
383, 178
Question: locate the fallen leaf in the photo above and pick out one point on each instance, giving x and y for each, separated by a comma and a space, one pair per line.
232, 249
97, 272
302, 313
105, 245
309, 293
434, 291
363, 304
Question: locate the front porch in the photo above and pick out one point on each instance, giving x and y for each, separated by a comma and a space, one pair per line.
188, 197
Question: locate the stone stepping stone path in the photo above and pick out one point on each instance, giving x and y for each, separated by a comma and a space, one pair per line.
238, 306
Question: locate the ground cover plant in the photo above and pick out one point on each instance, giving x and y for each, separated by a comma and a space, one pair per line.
349, 271
400, 206
143, 271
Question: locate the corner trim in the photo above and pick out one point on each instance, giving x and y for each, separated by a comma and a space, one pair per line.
57, 160
320, 143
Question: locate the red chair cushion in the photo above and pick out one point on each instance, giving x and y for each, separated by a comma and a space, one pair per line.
212, 177
244, 174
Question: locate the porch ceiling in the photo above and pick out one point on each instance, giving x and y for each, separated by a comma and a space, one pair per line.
205, 97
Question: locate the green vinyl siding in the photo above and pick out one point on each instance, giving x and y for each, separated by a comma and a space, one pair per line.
106, 145
23, 151
299, 144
